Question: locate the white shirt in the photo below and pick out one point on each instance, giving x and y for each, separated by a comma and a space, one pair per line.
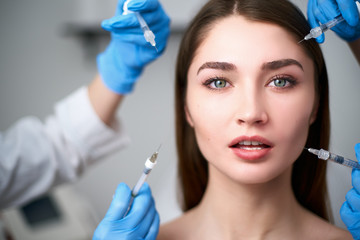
36, 156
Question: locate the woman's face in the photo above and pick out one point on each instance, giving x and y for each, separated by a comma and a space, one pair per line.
250, 98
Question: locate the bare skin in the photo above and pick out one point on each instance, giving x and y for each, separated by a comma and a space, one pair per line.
275, 215
104, 101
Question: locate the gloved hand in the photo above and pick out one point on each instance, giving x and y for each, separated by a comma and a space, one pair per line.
122, 62
142, 221
350, 210
326, 10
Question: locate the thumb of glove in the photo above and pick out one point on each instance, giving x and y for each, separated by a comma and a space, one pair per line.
357, 151
119, 204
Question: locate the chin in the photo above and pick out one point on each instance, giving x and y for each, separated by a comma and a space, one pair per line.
259, 174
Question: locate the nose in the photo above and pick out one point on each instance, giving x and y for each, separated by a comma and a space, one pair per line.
252, 109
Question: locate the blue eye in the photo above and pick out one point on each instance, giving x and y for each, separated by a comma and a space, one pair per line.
220, 83
282, 82
216, 83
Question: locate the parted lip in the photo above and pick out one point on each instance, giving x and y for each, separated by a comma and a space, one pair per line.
256, 138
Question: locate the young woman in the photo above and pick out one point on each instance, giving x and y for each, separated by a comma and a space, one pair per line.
249, 98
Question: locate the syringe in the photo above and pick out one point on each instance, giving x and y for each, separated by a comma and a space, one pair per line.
317, 31
148, 34
325, 155
149, 165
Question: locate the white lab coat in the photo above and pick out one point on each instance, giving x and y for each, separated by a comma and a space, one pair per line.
36, 156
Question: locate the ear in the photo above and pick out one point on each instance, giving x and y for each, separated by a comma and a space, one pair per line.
314, 112
188, 116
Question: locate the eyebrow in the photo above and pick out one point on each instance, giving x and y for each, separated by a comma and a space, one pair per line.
268, 65
218, 65
281, 63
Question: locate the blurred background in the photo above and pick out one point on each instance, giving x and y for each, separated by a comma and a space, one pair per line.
48, 50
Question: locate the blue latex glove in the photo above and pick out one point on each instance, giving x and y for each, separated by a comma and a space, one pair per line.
142, 221
121, 64
350, 210
326, 10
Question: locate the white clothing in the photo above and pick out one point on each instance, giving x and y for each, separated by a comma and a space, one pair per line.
36, 156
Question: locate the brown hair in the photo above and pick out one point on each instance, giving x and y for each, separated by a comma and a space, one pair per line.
309, 173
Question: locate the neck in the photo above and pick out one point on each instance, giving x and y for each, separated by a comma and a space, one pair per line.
249, 210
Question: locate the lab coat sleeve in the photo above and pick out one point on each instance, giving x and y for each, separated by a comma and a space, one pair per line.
36, 156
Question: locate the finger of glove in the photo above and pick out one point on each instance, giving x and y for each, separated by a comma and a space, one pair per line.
143, 5
119, 7
313, 21
357, 151
135, 35
156, 20
120, 22
161, 38
355, 175
349, 11
154, 228
142, 205
353, 199
349, 217
355, 178
138, 52
130, 23
347, 32
310, 14
119, 204
159, 31
327, 10
137, 40
146, 223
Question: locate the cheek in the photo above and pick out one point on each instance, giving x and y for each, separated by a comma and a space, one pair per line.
292, 120
206, 120
209, 119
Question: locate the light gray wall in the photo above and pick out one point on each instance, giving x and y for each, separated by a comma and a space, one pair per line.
39, 66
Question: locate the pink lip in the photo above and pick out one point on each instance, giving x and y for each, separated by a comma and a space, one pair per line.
255, 154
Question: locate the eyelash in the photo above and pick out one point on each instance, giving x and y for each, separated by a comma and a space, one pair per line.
290, 80
207, 83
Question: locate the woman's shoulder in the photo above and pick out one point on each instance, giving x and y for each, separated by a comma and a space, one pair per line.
319, 228
332, 232
169, 231
178, 228
312, 227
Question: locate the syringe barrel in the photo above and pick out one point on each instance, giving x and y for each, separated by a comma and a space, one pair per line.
142, 22
148, 34
317, 31
136, 189
139, 183
344, 161
334, 22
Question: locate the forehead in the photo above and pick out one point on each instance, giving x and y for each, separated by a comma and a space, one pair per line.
248, 43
